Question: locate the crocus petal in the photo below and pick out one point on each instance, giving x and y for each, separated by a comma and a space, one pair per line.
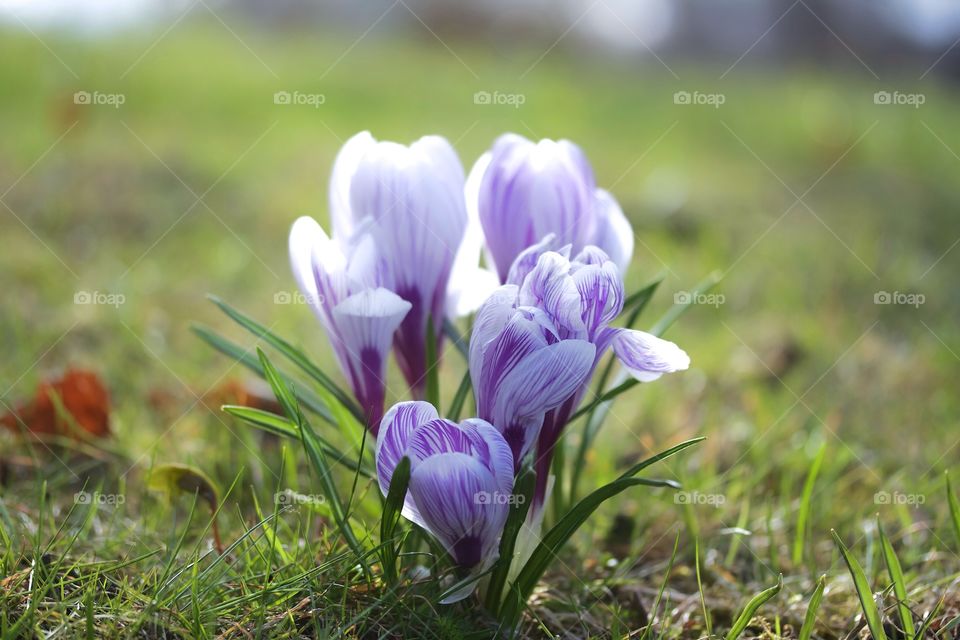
470, 284
435, 437
519, 338
538, 383
529, 190
396, 430
551, 287
345, 165
307, 241
527, 260
612, 231
490, 320
646, 356
414, 196
601, 294
458, 498
492, 450
366, 322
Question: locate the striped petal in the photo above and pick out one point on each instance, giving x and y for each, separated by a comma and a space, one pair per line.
456, 496
365, 323
646, 356
396, 430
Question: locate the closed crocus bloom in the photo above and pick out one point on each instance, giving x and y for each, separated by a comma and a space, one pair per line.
525, 190
360, 318
409, 200
461, 481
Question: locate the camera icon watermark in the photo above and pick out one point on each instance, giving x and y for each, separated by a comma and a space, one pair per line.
898, 498
95, 497
899, 298
295, 297
99, 298
297, 98
515, 100
692, 297
498, 497
695, 497
715, 100
114, 100
897, 98
290, 498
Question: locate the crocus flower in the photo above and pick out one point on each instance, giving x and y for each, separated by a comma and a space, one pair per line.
521, 367
523, 190
461, 481
360, 318
409, 200
581, 297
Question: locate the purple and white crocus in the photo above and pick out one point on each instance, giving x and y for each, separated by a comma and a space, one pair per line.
410, 200
461, 481
359, 317
521, 190
558, 302
398, 216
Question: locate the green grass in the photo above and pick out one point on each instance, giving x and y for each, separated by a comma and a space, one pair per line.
797, 357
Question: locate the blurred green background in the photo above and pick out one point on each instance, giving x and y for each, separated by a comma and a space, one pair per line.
804, 193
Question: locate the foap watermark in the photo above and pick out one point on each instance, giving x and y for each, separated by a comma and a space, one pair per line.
289, 498
897, 497
899, 297
898, 98
295, 297
714, 100
97, 98
99, 297
695, 497
695, 297
497, 497
95, 497
298, 98
514, 100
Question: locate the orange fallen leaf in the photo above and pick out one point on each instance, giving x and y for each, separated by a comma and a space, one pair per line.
77, 399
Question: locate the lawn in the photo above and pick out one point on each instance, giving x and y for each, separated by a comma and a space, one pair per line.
822, 408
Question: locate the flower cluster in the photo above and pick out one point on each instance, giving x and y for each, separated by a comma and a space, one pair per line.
408, 234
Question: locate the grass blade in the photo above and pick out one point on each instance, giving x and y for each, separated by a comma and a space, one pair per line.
278, 425
803, 516
810, 619
551, 543
315, 454
899, 585
864, 593
707, 622
433, 371
954, 508
755, 603
525, 485
391, 516
292, 354
248, 358
460, 398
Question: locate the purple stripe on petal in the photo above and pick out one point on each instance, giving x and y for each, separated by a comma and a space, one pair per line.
601, 295
551, 287
646, 356
519, 338
396, 430
540, 382
436, 437
492, 450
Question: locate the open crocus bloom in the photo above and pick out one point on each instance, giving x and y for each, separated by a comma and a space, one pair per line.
359, 317
523, 190
461, 481
409, 200
580, 298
